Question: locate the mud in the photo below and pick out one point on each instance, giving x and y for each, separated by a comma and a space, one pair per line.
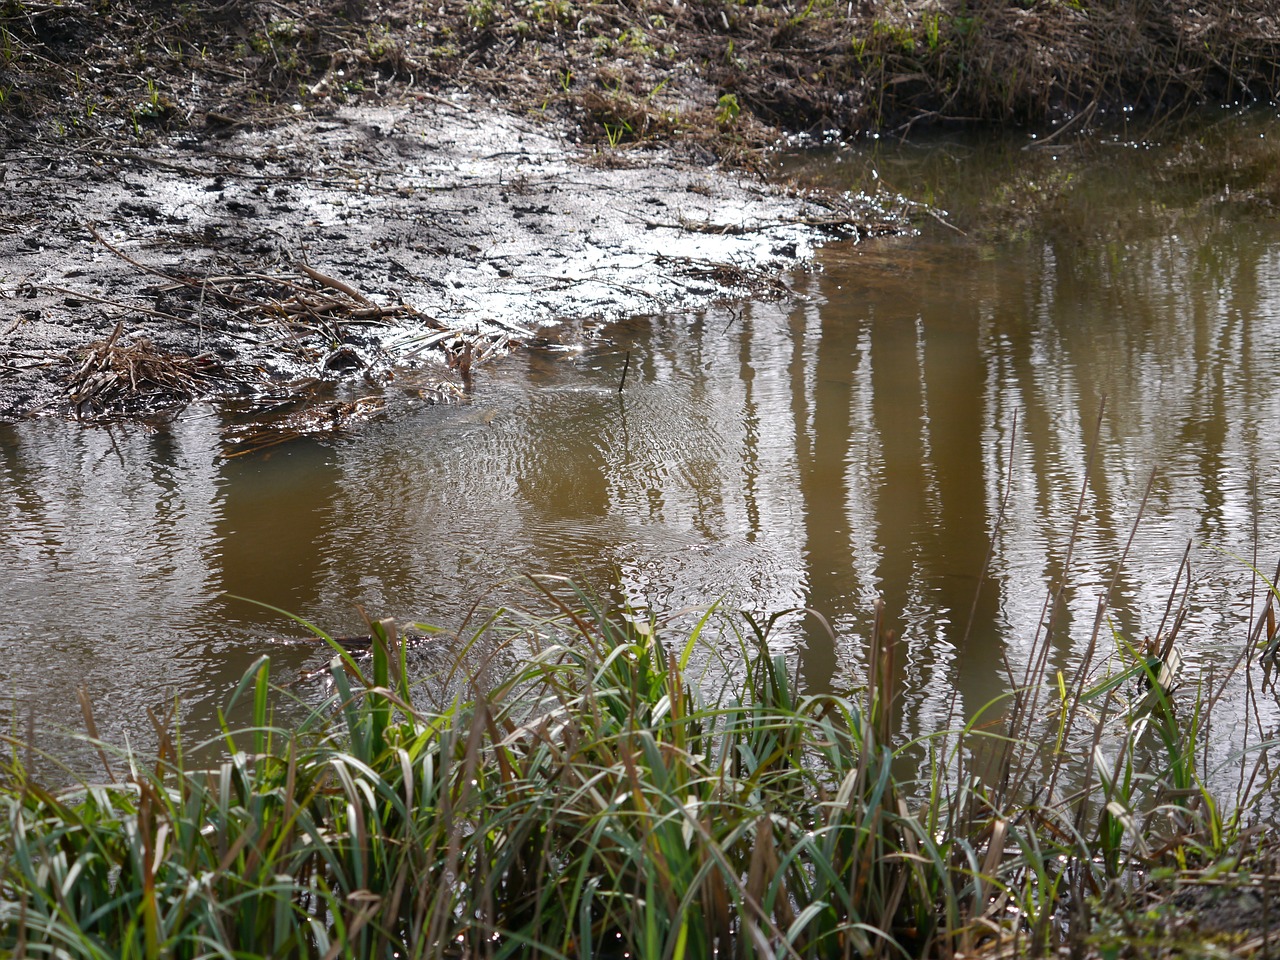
430, 235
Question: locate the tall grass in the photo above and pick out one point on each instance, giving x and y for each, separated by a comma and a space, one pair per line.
600, 796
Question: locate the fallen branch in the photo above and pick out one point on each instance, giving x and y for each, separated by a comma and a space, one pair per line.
327, 281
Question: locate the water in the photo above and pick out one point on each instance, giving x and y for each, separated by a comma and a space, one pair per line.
1014, 384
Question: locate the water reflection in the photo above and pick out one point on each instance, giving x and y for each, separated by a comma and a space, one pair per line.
1161, 300
922, 403
107, 543
276, 522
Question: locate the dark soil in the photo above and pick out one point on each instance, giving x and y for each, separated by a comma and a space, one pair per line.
711, 77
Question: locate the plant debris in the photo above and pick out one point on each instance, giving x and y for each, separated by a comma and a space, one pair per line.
118, 380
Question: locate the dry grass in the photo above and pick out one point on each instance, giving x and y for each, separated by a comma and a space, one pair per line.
119, 378
712, 78
309, 318
1050, 59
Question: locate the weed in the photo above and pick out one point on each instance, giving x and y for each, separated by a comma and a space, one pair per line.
635, 40
379, 43
595, 784
819, 64
727, 110
284, 31
552, 11
802, 15
616, 132
8, 47
482, 14
931, 36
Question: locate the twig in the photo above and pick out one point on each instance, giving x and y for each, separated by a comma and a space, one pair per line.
128, 259
334, 284
945, 222
1086, 115
94, 298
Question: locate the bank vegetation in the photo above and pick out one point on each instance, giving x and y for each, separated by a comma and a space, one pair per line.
584, 781
714, 77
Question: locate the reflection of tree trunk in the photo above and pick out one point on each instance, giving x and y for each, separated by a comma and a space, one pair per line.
822, 443
561, 480
1057, 376
931, 507
900, 503
955, 368
751, 411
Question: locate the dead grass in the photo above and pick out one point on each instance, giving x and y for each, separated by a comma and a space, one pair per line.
309, 317
119, 378
1055, 60
710, 77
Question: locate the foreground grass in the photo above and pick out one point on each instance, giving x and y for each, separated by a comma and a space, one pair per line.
602, 796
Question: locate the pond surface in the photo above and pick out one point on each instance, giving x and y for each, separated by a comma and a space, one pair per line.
1091, 329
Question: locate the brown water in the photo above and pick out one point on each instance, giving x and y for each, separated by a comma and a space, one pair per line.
921, 401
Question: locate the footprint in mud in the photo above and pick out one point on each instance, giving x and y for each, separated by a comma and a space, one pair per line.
242, 209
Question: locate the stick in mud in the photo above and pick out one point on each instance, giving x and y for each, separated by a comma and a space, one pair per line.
626, 365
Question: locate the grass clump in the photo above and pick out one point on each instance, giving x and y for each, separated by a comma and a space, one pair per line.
601, 796
630, 75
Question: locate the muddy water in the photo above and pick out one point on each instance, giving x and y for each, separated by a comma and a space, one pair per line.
1094, 328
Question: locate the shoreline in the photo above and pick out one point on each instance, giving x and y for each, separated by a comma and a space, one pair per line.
418, 237
463, 177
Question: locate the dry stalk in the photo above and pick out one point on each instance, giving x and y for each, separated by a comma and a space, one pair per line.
115, 380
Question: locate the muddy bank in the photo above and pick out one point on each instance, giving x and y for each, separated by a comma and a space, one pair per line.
409, 242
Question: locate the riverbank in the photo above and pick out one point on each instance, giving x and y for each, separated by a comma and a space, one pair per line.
327, 235
711, 78
257, 201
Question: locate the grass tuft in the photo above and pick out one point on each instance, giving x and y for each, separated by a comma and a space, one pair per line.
602, 796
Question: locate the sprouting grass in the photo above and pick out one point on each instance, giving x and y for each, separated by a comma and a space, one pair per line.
598, 796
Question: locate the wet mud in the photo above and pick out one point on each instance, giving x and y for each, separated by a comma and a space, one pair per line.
412, 242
